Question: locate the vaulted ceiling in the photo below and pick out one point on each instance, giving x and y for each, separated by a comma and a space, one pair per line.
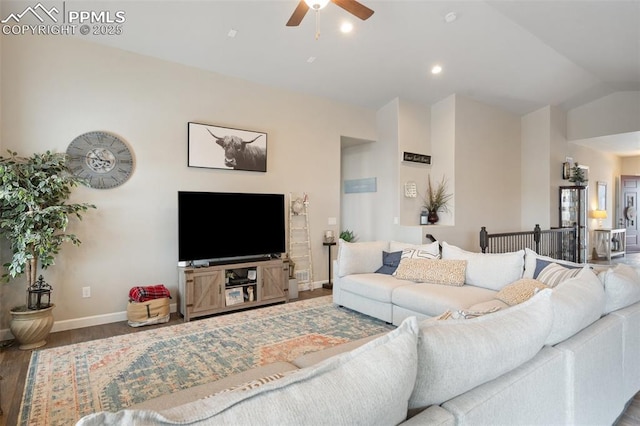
519, 55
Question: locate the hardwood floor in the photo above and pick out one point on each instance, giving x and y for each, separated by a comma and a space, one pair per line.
14, 363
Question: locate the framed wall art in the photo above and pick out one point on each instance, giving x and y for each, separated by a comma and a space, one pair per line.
566, 170
602, 195
217, 147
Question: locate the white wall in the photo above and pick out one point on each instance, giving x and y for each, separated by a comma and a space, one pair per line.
630, 166
359, 210
487, 170
535, 155
386, 214
610, 115
54, 89
413, 136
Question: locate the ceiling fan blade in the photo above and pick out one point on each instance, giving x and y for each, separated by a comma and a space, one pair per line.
355, 8
298, 14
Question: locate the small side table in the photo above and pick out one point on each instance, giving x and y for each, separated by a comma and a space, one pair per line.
610, 243
329, 285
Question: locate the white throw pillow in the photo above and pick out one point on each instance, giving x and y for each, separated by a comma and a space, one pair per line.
577, 303
418, 254
432, 248
457, 355
488, 270
621, 287
360, 258
370, 385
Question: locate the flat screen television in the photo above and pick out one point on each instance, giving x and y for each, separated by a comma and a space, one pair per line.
224, 225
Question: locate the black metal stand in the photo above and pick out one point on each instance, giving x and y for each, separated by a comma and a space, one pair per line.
329, 285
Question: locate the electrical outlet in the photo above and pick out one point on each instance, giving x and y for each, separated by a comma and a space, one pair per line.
86, 291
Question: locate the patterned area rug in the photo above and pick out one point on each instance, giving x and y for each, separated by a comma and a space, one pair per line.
65, 383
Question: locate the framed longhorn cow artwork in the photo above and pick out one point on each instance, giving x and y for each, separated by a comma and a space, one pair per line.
216, 147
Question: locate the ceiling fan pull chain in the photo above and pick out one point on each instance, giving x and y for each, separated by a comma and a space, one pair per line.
317, 25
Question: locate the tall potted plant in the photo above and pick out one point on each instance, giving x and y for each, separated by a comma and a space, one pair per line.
436, 199
33, 217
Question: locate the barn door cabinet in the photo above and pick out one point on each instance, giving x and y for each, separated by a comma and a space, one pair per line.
224, 288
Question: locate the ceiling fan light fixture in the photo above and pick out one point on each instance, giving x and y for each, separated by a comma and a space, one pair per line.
316, 4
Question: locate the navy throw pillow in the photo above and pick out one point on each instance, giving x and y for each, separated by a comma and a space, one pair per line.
390, 262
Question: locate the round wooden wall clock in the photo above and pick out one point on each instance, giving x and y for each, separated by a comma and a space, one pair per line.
102, 159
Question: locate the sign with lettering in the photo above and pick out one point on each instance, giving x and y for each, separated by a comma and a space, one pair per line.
416, 158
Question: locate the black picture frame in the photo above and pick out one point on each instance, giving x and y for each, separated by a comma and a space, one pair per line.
218, 147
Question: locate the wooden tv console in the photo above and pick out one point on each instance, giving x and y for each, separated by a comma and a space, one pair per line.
228, 287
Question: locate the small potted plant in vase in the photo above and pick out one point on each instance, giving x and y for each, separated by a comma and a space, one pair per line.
436, 199
578, 175
33, 218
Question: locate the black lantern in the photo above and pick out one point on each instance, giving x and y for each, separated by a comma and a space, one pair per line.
39, 295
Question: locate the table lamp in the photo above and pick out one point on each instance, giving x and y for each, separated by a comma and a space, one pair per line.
600, 215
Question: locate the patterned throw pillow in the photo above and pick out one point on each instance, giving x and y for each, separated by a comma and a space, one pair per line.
465, 314
520, 291
446, 272
542, 263
419, 254
553, 274
253, 383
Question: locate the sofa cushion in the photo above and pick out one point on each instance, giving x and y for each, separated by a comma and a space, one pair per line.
576, 303
372, 286
532, 259
457, 355
360, 258
621, 287
436, 271
488, 270
433, 299
520, 291
390, 262
369, 385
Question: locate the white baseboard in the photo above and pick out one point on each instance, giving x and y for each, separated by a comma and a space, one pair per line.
311, 286
72, 324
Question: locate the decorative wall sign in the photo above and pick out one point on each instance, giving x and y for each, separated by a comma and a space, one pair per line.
416, 158
218, 147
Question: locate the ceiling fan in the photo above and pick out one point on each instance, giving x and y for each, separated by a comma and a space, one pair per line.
352, 6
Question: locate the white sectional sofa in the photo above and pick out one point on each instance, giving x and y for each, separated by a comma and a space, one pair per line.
566, 355
585, 373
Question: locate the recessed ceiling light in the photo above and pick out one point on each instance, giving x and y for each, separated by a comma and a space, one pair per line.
436, 69
450, 17
232, 33
346, 27
311, 59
